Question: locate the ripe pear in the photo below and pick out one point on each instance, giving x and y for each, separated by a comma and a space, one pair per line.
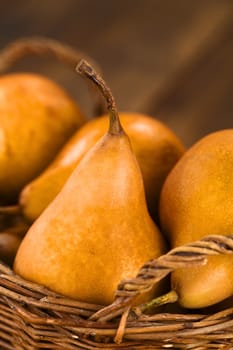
97, 230
9, 244
156, 147
196, 201
36, 118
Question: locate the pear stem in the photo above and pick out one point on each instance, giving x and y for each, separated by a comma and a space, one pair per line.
69, 55
168, 298
85, 69
10, 210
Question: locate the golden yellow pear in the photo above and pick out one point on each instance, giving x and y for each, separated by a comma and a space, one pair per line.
196, 201
97, 231
36, 118
156, 147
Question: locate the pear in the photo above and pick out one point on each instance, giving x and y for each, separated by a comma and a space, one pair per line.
156, 147
36, 118
9, 244
97, 230
197, 200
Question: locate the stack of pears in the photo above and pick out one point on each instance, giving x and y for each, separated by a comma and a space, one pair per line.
37, 117
38, 108
97, 231
156, 147
92, 207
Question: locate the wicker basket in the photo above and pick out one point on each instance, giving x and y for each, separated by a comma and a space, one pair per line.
32, 317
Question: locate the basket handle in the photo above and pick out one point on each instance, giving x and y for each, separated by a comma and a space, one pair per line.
38, 46
155, 270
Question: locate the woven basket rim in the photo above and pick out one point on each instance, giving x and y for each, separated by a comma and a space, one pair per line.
34, 317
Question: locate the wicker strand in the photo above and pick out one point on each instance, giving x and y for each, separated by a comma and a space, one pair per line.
45, 46
122, 326
40, 46
153, 271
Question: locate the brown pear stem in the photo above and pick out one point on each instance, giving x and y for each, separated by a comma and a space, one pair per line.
10, 210
85, 69
41, 46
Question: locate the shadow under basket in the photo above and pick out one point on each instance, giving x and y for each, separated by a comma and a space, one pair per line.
33, 317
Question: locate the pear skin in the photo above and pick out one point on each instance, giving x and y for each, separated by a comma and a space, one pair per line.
156, 147
196, 201
37, 118
97, 230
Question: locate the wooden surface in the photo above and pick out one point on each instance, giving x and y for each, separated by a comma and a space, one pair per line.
171, 59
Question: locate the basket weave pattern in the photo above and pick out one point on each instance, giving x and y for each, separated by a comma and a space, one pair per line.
32, 317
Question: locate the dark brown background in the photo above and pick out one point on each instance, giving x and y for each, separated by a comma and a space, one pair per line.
172, 59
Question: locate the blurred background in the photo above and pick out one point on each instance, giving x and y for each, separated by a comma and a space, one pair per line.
170, 59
